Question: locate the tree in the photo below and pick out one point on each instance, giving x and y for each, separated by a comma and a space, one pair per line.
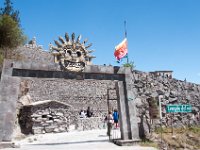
8, 10
11, 35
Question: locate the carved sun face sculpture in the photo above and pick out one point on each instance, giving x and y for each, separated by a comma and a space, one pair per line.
72, 55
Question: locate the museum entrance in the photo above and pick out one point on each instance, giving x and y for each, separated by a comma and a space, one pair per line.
71, 95
67, 87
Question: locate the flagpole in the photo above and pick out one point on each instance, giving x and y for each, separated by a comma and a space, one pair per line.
125, 33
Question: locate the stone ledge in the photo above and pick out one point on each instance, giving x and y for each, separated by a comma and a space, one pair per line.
8, 145
126, 142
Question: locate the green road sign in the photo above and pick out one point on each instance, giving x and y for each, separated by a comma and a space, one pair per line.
179, 108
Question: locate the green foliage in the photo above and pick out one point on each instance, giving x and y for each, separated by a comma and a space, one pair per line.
1, 60
9, 11
147, 143
195, 129
11, 35
129, 64
192, 129
159, 130
179, 137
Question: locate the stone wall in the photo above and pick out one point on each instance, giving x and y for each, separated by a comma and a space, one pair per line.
90, 123
35, 54
170, 91
44, 117
95, 87
78, 93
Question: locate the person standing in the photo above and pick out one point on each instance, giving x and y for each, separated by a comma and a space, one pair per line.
109, 123
116, 118
89, 112
82, 114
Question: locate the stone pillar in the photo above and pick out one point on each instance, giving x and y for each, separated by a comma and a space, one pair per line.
127, 109
9, 87
132, 110
124, 122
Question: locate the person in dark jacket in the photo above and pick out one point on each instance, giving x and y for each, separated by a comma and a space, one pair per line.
89, 113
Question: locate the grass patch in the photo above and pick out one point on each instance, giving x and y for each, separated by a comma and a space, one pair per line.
187, 137
147, 143
163, 130
194, 129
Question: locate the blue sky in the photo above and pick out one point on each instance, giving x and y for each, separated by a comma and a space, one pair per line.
162, 34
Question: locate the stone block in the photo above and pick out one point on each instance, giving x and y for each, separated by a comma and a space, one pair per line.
53, 67
26, 65
1, 126
49, 121
38, 130
34, 66
49, 129
56, 130
17, 64
8, 145
106, 69
62, 129
44, 66
9, 121
127, 142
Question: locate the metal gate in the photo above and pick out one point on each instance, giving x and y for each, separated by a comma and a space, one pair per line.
112, 104
115, 134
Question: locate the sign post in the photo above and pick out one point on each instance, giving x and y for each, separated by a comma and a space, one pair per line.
179, 108
160, 110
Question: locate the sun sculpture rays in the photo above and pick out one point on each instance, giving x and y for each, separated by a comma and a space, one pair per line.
71, 53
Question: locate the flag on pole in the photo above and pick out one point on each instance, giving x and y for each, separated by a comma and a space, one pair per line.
121, 50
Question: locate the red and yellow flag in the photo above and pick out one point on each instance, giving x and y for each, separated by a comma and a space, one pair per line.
121, 50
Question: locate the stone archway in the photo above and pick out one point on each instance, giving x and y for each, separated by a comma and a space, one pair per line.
121, 76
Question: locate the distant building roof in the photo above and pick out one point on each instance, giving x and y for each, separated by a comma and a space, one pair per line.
161, 71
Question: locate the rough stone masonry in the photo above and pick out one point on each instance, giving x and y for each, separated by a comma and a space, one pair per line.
98, 87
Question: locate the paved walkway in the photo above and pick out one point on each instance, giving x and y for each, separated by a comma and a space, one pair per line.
75, 140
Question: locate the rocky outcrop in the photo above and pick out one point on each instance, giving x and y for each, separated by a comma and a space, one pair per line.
170, 91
